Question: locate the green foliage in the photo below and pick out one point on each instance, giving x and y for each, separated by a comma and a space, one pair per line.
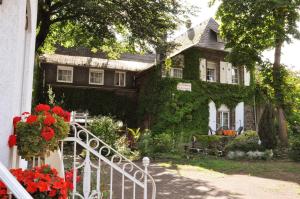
248, 141
105, 128
135, 133
208, 140
191, 64
98, 103
252, 26
178, 111
266, 128
97, 24
145, 144
294, 150
162, 143
122, 146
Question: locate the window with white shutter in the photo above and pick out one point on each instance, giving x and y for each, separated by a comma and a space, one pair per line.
223, 72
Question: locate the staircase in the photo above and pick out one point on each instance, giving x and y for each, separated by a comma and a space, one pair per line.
104, 173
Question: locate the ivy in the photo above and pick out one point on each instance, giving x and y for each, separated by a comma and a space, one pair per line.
181, 111
191, 64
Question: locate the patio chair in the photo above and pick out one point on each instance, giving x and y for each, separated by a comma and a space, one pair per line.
240, 130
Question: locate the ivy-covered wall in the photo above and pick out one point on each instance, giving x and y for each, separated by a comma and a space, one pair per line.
98, 102
168, 109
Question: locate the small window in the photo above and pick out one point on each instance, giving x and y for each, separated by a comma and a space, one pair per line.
96, 77
65, 74
120, 78
235, 75
211, 71
176, 73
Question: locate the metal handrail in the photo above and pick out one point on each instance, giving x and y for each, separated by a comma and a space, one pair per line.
12, 183
90, 137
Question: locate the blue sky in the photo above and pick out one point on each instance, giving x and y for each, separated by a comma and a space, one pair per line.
291, 52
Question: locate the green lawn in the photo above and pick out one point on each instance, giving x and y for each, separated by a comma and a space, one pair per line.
275, 169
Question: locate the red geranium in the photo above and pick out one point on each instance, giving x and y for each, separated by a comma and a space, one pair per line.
47, 133
12, 141
67, 116
16, 120
49, 120
40, 182
42, 107
58, 111
31, 119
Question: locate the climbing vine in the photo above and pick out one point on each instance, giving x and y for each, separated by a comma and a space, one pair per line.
182, 111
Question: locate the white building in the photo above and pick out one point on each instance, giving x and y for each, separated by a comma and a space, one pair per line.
17, 48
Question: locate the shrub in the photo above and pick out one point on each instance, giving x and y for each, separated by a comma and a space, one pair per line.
249, 141
294, 150
162, 143
105, 128
122, 146
145, 144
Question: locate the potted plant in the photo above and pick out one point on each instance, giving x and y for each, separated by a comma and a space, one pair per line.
39, 133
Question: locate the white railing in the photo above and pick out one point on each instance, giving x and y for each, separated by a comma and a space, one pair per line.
12, 184
102, 166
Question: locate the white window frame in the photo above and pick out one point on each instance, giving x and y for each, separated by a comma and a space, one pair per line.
222, 118
237, 75
172, 72
96, 71
69, 68
209, 67
115, 82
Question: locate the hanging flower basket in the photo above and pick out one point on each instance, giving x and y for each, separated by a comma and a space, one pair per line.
39, 133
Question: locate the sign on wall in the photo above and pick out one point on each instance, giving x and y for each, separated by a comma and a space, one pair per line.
184, 87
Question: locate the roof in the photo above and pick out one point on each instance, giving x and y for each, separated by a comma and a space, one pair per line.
198, 36
135, 63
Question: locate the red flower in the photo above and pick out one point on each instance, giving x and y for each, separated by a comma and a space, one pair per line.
25, 113
47, 133
12, 141
31, 119
67, 116
52, 193
16, 120
43, 186
58, 111
49, 120
42, 107
31, 187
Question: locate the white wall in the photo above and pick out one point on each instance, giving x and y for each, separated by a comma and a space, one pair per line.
212, 115
16, 62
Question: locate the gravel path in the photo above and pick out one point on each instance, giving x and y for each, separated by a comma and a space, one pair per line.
185, 182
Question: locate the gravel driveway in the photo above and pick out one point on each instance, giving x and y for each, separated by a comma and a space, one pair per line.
185, 182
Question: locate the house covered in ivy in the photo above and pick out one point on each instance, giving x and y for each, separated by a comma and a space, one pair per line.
194, 90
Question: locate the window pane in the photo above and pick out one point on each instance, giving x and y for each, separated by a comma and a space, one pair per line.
235, 75
96, 77
177, 72
64, 75
210, 75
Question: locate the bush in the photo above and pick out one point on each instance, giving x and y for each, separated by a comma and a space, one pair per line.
105, 128
145, 144
122, 146
294, 150
162, 143
249, 141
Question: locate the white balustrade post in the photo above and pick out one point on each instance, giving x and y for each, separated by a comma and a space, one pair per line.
146, 163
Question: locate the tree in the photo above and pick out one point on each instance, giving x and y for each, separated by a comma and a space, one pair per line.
97, 23
252, 26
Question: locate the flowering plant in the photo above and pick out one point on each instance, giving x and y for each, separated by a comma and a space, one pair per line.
39, 133
40, 182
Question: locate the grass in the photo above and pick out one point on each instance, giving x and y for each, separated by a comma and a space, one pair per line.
275, 169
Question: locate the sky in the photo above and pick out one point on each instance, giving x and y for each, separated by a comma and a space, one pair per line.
290, 52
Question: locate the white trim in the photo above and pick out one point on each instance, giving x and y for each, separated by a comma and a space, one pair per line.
120, 72
212, 116
91, 70
69, 68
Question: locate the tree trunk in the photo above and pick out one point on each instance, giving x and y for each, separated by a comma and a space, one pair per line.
44, 28
277, 81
